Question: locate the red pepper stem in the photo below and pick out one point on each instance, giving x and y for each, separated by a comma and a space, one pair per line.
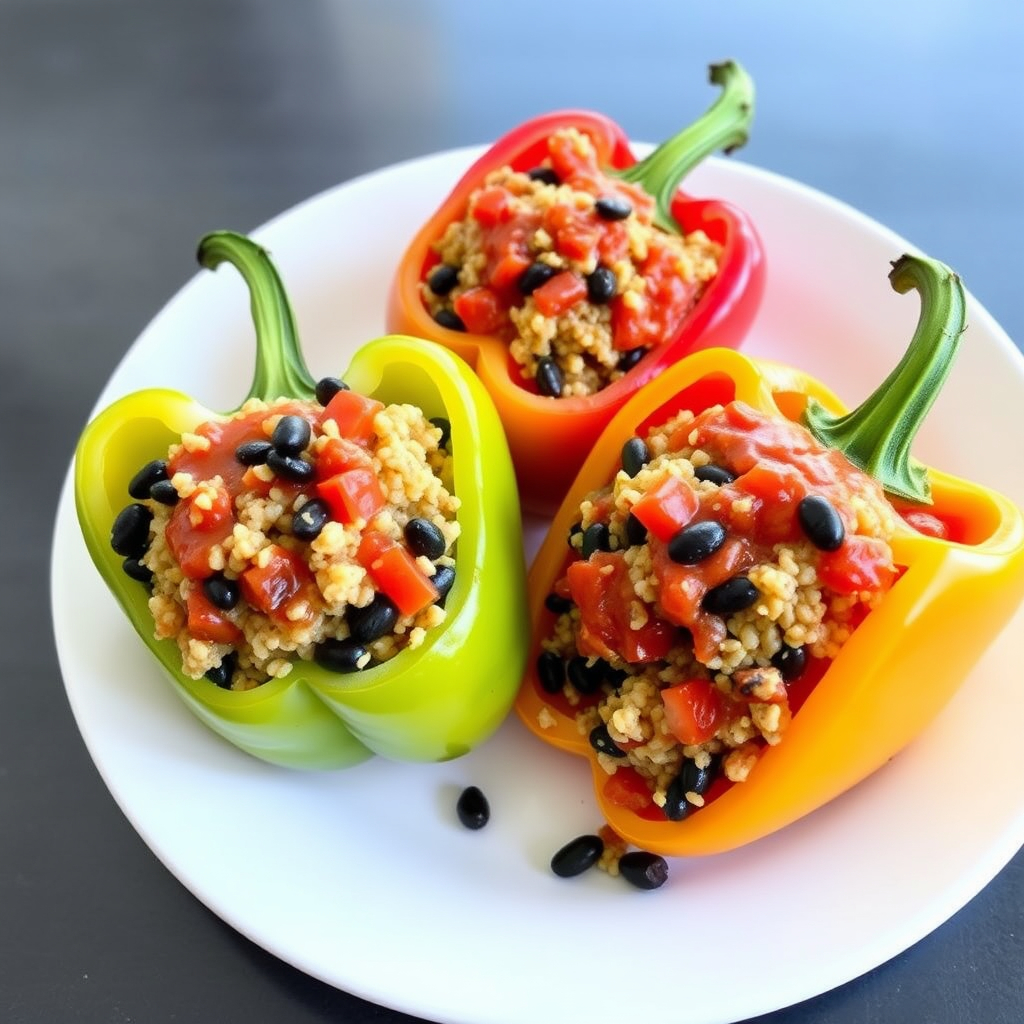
280, 370
877, 435
725, 125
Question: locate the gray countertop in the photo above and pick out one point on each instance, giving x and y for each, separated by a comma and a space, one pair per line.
128, 130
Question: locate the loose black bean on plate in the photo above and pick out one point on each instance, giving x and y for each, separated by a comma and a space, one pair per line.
730, 597
601, 285
253, 453
221, 592
714, 474
424, 538
550, 672
550, 380
534, 276
328, 387
635, 455
596, 537
129, 536
630, 358
151, 473
790, 661
372, 621
443, 278
291, 435
613, 207
821, 522
291, 467
450, 319
696, 541
602, 742
472, 808
340, 655
577, 856
644, 870
308, 522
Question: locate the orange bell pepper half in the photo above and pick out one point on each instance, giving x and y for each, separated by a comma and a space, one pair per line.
550, 437
960, 579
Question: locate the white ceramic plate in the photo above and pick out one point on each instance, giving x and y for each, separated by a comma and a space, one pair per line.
365, 879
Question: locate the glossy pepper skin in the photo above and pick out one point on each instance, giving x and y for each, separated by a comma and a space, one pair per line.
550, 437
427, 704
908, 656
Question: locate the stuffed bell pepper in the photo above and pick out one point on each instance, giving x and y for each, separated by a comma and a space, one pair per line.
569, 275
752, 599
311, 569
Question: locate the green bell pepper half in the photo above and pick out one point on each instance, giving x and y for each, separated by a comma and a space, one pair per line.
431, 703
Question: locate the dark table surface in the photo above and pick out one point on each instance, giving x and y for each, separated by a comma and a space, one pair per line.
127, 130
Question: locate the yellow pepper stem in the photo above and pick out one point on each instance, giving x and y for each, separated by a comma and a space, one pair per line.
877, 435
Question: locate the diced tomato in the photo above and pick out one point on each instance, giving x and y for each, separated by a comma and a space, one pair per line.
667, 508
353, 414
208, 511
627, 788
394, 570
191, 547
693, 710
207, 622
602, 590
273, 588
492, 206
480, 310
353, 494
925, 522
860, 563
339, 454
560, 293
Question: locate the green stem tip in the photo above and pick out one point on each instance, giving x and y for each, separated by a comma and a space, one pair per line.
877, 435
280, 370
725, 125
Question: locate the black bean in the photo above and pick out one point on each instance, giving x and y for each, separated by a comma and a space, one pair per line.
695, 542
443, 580
557, 604
596, 537
165, 492
372, 621
575, 530
291, 435
472, 808
644, 870
790, 661
450, 319
613, 207
601, 285
328, 387
309, 521
731, 596
221, 592
635, 455
630, 358
714, 474
676, 805
253, 453
446, 430
821, 522
291, 467
151, 473
577, 856
585, 677
636, 532
615, 676
425, 538
339, 655
697, 780
602, 742
550, 672
544, 174
137, 571
549, 377
129, 536
534, 276
443, 278
222, 674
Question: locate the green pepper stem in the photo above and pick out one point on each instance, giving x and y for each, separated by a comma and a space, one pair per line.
877, 435
725, 125
280, 368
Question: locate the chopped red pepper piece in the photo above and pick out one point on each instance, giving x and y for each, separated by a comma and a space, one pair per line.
480, 310
667, 508
207, 622
272, 588
693, 710
339, 454
394, 570
353, 413
352, 495
560, 293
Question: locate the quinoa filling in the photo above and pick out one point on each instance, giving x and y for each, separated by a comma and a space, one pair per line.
565, 264
707, 587
294, 531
